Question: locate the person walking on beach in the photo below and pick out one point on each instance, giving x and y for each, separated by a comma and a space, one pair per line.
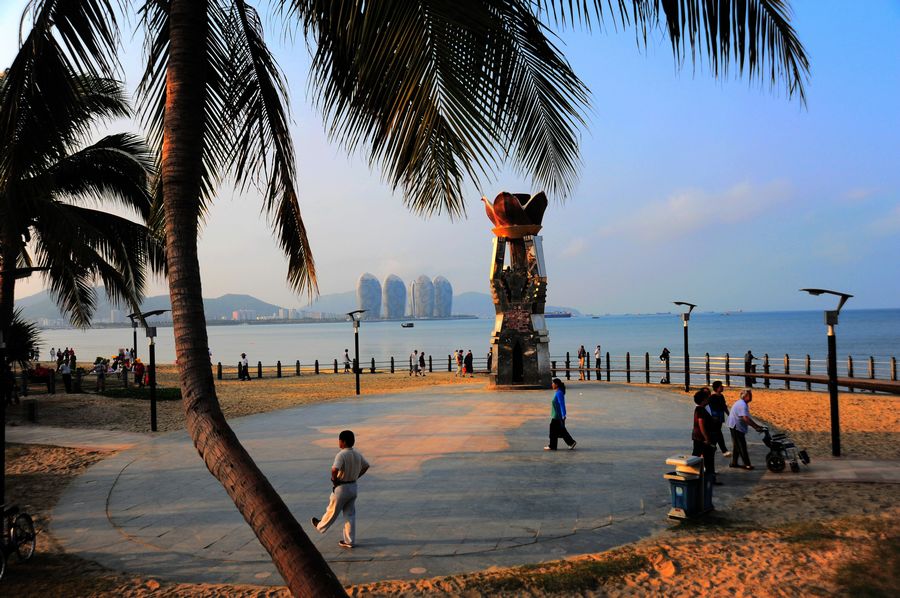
139, 372
422, 362
558, 417
414, 362
704, 434
468, 364
346, 361
738, 420
349, 465
719, 410
66, 372
244, 368
490, 359
597, 355
459, 363
582, 355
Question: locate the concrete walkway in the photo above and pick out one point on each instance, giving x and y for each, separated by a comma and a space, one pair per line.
459, 482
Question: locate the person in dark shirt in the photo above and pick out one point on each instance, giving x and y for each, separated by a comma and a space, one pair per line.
719, 410
703, 434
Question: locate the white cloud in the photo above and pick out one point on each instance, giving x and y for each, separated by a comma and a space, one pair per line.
575, 248
693, 210
859, 194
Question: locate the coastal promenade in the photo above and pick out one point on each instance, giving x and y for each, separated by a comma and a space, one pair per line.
459, 482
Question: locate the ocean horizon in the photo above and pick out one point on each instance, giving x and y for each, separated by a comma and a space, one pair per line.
861, 333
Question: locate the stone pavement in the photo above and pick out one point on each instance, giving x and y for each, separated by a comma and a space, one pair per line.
459, 482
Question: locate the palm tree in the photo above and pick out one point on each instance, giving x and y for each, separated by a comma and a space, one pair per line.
49, 177
436, 91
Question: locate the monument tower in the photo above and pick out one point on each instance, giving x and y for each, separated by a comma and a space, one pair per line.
520, 343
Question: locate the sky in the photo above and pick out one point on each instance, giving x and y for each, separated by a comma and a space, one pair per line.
719, 192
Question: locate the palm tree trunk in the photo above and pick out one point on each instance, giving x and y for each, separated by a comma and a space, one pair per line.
301, 565
8, 254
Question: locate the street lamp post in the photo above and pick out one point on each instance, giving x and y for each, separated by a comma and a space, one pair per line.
151, 369
355, 315
831, 320
685, 317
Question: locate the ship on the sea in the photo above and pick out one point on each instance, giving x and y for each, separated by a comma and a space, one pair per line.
558, 314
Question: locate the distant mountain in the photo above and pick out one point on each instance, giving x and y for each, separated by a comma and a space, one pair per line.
41, 306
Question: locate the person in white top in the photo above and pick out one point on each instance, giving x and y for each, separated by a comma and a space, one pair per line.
349, 465
738, 420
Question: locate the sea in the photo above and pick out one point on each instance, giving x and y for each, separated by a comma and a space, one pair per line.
861, 334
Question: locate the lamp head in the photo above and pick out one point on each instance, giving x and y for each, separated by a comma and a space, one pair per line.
355, 314
843, 296
690, 306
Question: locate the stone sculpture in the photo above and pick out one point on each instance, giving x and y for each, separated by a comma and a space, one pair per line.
520, 343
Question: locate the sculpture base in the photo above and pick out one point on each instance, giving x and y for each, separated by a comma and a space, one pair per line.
514, 387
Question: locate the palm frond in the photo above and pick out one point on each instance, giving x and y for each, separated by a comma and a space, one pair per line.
22, 340
263, 149
755, 36
87, 28
443, 91
115, 168
217, 149
82, 247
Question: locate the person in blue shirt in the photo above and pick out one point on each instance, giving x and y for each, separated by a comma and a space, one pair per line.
558, 417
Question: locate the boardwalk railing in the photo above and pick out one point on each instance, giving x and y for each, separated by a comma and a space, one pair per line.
871, 373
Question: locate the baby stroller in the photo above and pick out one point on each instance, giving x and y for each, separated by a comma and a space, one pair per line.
782, 450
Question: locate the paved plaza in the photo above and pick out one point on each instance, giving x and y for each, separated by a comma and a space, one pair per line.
459, 482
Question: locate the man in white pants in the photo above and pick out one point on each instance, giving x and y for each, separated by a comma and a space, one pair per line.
349, 466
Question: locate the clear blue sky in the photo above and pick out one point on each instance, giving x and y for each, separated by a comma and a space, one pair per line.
717, 192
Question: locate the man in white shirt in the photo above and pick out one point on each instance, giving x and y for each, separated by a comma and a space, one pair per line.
738, 421
348, 466
244, 374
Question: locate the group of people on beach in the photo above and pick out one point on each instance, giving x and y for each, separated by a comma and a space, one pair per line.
582, 361
464, 363
710, 415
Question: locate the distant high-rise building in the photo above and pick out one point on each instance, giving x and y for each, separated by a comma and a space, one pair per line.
393, 297
368, 295
443, 297
236, 315
424, 297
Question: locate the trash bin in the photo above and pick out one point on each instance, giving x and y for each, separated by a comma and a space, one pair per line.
691, 489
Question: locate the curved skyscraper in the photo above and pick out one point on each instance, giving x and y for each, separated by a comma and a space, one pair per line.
368, 295
424, 297
443, 297
393, 297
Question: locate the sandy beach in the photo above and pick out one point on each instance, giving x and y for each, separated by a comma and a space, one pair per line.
784, 539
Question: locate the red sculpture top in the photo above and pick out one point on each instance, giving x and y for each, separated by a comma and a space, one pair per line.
516, 214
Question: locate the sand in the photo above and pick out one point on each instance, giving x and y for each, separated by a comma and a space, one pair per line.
237, 398
783, 539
